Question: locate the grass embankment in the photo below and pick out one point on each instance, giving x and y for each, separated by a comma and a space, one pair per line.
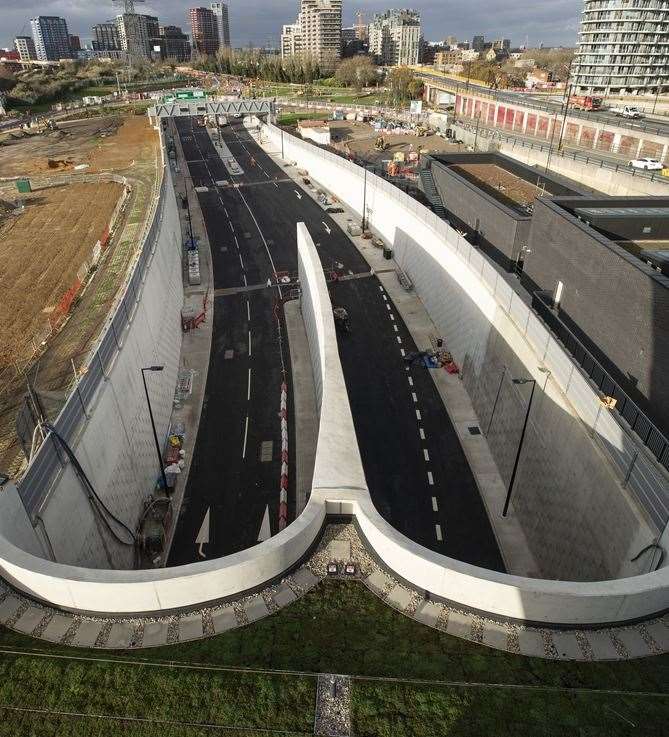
341, 628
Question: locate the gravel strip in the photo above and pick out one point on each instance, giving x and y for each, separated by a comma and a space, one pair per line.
619, 645
103, 635
584, 644
550, 651
207, 623
333, 706
173, 631
649, 640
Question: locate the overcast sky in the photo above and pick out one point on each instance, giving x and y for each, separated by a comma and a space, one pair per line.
551, 22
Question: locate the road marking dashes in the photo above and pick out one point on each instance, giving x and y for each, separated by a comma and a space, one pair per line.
410, 380
418, 414
437, 530
403, 354
430, 478
249, 343
435, 506
414, 397
248, 391
248, 311
421, 432
396, 328
426, 455
399, 340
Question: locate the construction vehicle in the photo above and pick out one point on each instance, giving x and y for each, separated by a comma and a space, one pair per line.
585, 102
381, 144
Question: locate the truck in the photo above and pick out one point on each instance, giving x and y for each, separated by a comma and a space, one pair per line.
585, 102
627, 111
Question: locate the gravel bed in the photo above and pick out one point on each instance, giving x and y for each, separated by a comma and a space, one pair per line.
173, 631
240, 613
333, 706
23, 607
586, 647
103, 635
207, 623
649, 640
513, 642
476, 634
619, 645
550, 651
44, 623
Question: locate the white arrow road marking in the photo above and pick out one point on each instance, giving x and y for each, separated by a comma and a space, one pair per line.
326, 228
299, 196
203, 535
265, 529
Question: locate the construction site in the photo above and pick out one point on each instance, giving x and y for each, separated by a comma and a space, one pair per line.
73, 200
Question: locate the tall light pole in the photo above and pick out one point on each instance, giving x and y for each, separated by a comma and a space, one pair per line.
153, 424
520, 444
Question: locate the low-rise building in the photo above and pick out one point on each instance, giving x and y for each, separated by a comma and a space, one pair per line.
317, 131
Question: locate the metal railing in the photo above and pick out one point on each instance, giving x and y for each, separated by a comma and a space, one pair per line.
496, 134
513, 99
651, 436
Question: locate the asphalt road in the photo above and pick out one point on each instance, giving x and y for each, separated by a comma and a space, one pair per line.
416, 470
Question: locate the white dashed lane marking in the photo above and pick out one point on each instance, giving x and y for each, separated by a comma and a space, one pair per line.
437, 530
418, 414
414, 396
410, 381
399, 340
421, 432
435, 506
430, 478
426, 455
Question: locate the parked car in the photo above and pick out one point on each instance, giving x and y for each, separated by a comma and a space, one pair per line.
647, 164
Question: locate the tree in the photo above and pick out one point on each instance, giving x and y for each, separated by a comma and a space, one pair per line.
404, 86
358, 72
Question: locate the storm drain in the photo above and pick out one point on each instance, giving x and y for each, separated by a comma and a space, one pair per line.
229, 354
474, 430
266, 451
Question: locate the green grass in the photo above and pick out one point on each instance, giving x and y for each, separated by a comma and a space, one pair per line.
165, 694
401, 710
340, 627
293, 118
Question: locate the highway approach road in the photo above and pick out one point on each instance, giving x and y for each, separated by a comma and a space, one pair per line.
415, 467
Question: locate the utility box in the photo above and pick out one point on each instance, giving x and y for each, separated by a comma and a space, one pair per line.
23, 186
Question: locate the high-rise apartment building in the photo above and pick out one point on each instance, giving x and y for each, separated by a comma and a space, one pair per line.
106, 37
204, 31
51, 37
394, 37
317, 33
75, 44
291, 40
220, 11
623, 47
135, 33
25, 48
172, 43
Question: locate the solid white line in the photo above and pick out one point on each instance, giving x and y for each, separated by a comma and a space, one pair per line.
418, 414
414, 397
435, 506
241, 261
421, 432
248, 311
249, 344
244, 278
236, 242
248, 391
437, 529
410, 380
246, 433
232, 227
426, 454
430, 478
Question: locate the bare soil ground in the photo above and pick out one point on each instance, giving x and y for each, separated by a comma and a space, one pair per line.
360, 138
128, 147
41, 251
504, 186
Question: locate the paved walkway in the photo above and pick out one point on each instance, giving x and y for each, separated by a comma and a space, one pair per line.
339, 543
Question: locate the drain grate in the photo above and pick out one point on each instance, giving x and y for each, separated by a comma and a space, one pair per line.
474, 430
266, 451
229, 354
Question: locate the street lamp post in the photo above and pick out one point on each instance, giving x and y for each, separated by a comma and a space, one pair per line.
520, 444
153, 424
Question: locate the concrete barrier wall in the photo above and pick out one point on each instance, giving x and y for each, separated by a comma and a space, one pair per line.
123, 592
337, 463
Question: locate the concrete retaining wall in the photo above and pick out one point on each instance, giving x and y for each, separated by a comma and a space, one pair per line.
501, 595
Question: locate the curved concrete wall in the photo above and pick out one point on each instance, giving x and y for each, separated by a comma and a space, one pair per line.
340, 488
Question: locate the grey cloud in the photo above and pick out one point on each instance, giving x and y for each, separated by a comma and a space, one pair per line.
259, 21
